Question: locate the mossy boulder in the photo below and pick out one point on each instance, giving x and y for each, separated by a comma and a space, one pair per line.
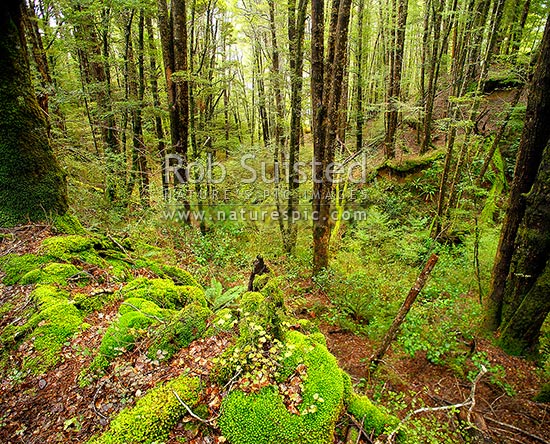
163, 292
262, 417
154, 415
16, 266
183, 328
53, 273
57, 320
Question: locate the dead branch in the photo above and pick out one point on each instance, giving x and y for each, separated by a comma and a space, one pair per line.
405, 308
469, 402
517, 429
198, 418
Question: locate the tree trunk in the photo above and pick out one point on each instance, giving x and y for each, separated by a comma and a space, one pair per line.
32, 185
159, 130
534, 138
526, 303
327, 74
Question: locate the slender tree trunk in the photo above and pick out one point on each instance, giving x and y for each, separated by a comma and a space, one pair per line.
396, 67
159, 130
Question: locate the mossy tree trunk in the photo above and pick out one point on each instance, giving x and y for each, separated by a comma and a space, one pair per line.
32, 185
526, 303
535, 137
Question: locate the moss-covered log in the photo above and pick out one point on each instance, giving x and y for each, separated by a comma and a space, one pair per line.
32, 185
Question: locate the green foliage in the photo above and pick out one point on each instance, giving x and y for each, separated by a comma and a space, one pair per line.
88, 303
183, 328
68, 224
154, 415
179, 276
217, 298
544, 394
263, 418
64, 248
53, 273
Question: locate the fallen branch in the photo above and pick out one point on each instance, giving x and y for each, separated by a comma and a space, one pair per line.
198, 418
517, 429
405, 308
469, 402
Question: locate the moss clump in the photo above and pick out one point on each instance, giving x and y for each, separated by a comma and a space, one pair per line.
544, 394
179, 276
122, 335
65, 248
251, 301
56, 321
88, 303
224, 320
184, 327
68, 224
146, 307
191, 294
162, 292
263, 418
16, 266
51, 274
372, 417
154, 415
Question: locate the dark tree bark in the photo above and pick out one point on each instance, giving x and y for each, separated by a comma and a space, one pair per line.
398, 24
535, 137
327, 75
526, 303
32, 184
159, 130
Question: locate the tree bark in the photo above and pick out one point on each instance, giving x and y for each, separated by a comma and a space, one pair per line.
405, 308
32, 184
534, 138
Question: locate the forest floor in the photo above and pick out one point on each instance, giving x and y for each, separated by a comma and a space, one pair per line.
53, 407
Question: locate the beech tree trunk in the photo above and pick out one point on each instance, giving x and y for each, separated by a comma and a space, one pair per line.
327, 75
32, 184
534, 139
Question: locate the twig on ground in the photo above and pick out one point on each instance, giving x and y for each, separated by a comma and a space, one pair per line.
469, 402
198, 418
517, 429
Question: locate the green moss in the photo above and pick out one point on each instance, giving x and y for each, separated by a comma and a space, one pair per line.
186, 326
179, 276
32, 184
50, 274
146, 307
56, 321
15, 266
88, 303
121, 336
263, 418
64, 248
413, 164
251, 301
162, 292
191, 294
224, 320
68, 224
544, 394
154, 415
372, 417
